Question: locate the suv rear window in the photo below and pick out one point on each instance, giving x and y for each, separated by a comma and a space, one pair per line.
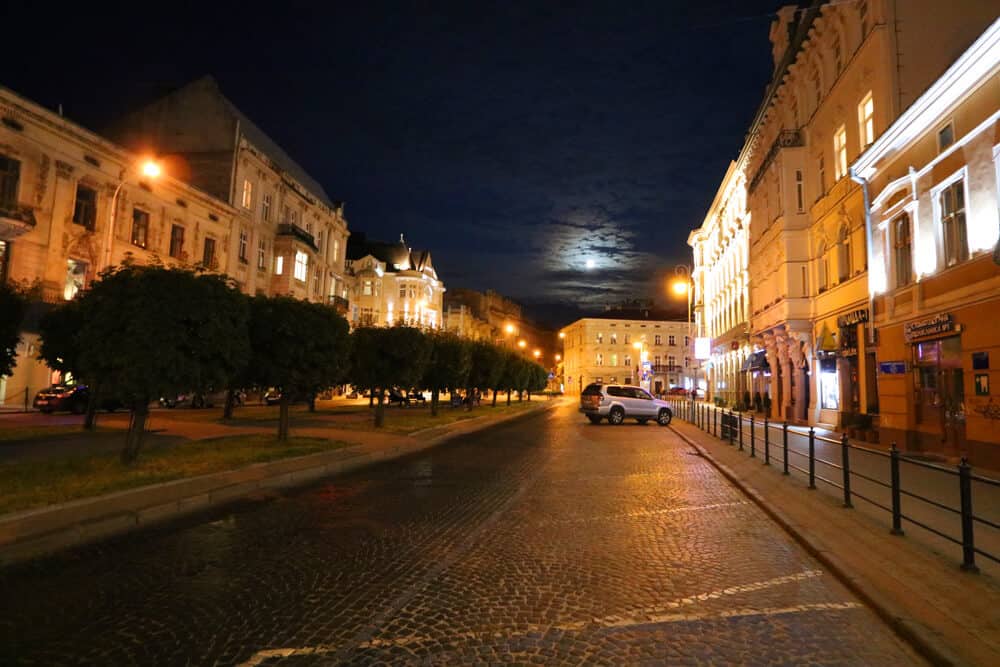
592, 390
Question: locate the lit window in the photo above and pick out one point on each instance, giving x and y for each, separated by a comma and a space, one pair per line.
614, 338
279, 265
840, 153
76, 278
140, 228
953, 232
261, 254
244, 245
301, 265
902, 243
336, 250
366, 288
247, 194
600, 359
265, 209
799, 198
600, 338
829, 385
866, 120
614, 359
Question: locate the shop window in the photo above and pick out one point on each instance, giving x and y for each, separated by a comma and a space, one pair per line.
829, 385
85, 207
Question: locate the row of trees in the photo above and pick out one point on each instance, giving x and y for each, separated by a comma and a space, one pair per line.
144, 331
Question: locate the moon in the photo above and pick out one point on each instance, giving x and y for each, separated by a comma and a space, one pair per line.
590, 263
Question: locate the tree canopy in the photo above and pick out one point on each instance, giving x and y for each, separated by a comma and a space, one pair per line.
13, 305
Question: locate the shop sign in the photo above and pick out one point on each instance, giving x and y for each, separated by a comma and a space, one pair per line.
931, 326
853, 319
892, 367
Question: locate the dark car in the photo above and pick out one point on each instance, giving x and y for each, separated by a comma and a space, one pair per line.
198, 399
272, 397
69, 398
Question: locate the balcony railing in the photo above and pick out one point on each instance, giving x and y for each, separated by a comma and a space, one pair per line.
667, 368
785, 139
287, 229
15, 220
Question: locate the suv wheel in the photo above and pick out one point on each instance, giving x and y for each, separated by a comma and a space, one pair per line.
664, 417
616, 416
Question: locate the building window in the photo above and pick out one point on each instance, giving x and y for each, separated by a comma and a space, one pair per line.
628, 360
366, 288
866, 121
261, 254
946, 136
402, 291
656, 360
805, 282
838, 57
821, 170
279, 265
614, 359
627, 338
687, 341
600, 359
247, 194
316, 284
301, 265
671, 361
177, 242
829, 388
902, 243
208, 253
76, 278
10, 176
85, 208
671, 340
336, 250
614, 338
687, 362
799, 199
600, 338
265, 209
140, 228
844, 264
244, 246
824, 269
657, 339
840, 153
953, 233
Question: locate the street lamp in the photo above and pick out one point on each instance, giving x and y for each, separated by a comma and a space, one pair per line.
150, 169
522, 344
682, 285
537, 353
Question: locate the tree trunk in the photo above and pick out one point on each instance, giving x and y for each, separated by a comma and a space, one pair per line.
508, 397
283, 418
227, 412
90, 420
136, 431
380, 409
312, 402
468, 399
371, 397
434, 402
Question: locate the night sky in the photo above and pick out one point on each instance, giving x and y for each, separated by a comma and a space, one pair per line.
515, 141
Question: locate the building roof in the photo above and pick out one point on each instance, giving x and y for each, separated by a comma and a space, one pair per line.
650, 314
396, 255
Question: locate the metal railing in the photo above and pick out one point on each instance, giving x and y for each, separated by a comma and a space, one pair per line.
883, 476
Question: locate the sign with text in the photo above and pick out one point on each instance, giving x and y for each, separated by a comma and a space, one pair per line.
702, 348
892, 367
931, 326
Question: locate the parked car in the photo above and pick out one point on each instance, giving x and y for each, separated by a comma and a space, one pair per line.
69, 398
272, 396
679, 391
619, 402
197, 399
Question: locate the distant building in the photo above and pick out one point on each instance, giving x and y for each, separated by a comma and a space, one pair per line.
641, 347
390, 283
290, 237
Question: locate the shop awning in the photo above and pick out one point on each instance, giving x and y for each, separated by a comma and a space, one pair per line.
826, 342
757, 361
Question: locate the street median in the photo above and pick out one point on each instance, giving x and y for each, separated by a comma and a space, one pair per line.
33, 532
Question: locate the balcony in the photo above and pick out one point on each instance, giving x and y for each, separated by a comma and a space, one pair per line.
785, 139
668, 368
15, 220
339, 303
287, 229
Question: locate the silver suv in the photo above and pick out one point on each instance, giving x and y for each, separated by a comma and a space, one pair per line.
618, 402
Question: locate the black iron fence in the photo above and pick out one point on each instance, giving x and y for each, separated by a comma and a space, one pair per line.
939, 499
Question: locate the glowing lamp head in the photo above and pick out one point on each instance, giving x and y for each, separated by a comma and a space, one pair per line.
562, 334
150, 169
537, 353
522, 344
637, 346
509, 328
558, 357
679, 287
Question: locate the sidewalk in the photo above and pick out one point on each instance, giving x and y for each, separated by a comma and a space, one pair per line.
952, 617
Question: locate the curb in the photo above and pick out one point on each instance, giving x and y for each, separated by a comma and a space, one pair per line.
37, 532
908, 630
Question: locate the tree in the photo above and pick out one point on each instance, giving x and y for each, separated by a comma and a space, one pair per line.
512, 377
60, 349
13, 305
386, 357
151, 331
296, 346
488, 362
448, 365
537, 378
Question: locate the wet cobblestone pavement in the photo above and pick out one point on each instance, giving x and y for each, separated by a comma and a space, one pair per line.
548, 541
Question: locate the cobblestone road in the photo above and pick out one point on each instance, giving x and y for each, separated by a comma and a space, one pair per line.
546, 541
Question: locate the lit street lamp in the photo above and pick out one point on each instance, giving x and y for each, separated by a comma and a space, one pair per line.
149, 169
537, 353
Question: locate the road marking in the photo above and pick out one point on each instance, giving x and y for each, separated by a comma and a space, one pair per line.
658, 615
640, 513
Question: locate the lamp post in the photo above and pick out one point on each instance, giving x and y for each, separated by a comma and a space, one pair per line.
683, 285
149, 169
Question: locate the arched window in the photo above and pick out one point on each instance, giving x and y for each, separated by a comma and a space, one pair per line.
844, 264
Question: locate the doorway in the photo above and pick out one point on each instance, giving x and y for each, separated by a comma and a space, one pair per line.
940, 389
